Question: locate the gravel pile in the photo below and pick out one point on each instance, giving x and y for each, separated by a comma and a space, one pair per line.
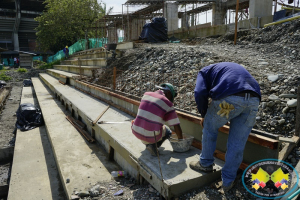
179, 65
119, 188
20, 76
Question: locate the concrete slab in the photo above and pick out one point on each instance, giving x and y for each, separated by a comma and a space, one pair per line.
125, 45
100, 62
130, 153
84, 70
34, 174
81, 162
57, 73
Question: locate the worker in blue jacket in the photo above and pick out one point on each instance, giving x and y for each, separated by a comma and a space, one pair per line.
235, 98
66, 52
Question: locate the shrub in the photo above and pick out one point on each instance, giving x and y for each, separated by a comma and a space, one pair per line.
4, 77
22, 70
49, 65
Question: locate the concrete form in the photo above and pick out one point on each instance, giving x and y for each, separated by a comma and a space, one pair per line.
259, 8
83, 163
34, 174
129, 152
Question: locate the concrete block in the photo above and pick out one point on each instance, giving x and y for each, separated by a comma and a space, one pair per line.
259, 8
130, 153
125, 45
77, 160
34, 174
83, 70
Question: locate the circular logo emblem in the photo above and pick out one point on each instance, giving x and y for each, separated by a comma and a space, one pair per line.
270, 179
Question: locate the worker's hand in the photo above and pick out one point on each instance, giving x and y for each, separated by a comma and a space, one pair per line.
225, 109
201, 122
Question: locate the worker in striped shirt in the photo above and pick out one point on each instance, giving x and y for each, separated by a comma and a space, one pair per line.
155, 110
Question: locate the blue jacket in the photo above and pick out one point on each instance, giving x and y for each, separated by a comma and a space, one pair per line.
220, 80
66, 50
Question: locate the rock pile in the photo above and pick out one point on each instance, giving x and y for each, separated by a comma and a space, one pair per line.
179, 65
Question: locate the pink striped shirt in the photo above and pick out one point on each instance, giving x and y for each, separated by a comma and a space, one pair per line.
154, 111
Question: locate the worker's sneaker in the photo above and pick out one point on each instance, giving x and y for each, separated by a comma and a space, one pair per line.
152, 149
195, 165
227, 188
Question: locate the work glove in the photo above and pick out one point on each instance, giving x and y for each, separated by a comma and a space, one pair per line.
225, 109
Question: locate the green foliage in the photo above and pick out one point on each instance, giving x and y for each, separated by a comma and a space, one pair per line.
22, 70
64, 22
38, 63
4, 77
49, 65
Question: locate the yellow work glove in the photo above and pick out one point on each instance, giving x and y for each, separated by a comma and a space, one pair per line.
225, 109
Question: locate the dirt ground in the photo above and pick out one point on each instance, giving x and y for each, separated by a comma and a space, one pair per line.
8, 116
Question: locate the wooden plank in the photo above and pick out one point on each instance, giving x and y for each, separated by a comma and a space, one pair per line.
95, 121
218, 154
80, 130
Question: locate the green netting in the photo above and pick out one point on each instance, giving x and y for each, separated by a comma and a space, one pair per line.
5, 61
37, 58
80, 46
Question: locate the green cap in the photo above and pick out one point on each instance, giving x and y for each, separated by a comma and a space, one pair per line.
170, 87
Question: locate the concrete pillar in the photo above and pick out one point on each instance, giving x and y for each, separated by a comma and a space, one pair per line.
219, 12
259, 8
15, 35
112, 35
171, 14
185, 21
16, 41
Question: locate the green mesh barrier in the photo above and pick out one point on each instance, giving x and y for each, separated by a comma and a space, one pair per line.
80, 46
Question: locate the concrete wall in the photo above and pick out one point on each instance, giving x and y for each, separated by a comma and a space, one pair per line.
205, 30
201, 32
171, 14
260, 8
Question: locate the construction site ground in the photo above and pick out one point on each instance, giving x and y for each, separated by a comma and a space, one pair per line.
260, 59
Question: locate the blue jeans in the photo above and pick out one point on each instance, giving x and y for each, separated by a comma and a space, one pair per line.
242, 119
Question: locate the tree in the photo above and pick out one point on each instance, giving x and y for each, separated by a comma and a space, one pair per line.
65, 21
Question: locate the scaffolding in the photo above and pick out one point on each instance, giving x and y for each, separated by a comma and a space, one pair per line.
135, 13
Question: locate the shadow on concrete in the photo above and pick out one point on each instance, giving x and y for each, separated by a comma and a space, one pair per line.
172, 163
96, 148
55, 181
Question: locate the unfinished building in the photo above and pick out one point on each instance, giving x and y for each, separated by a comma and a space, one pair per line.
183, 17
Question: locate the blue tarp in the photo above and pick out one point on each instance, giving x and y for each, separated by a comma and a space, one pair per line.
279, 15
156, 31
